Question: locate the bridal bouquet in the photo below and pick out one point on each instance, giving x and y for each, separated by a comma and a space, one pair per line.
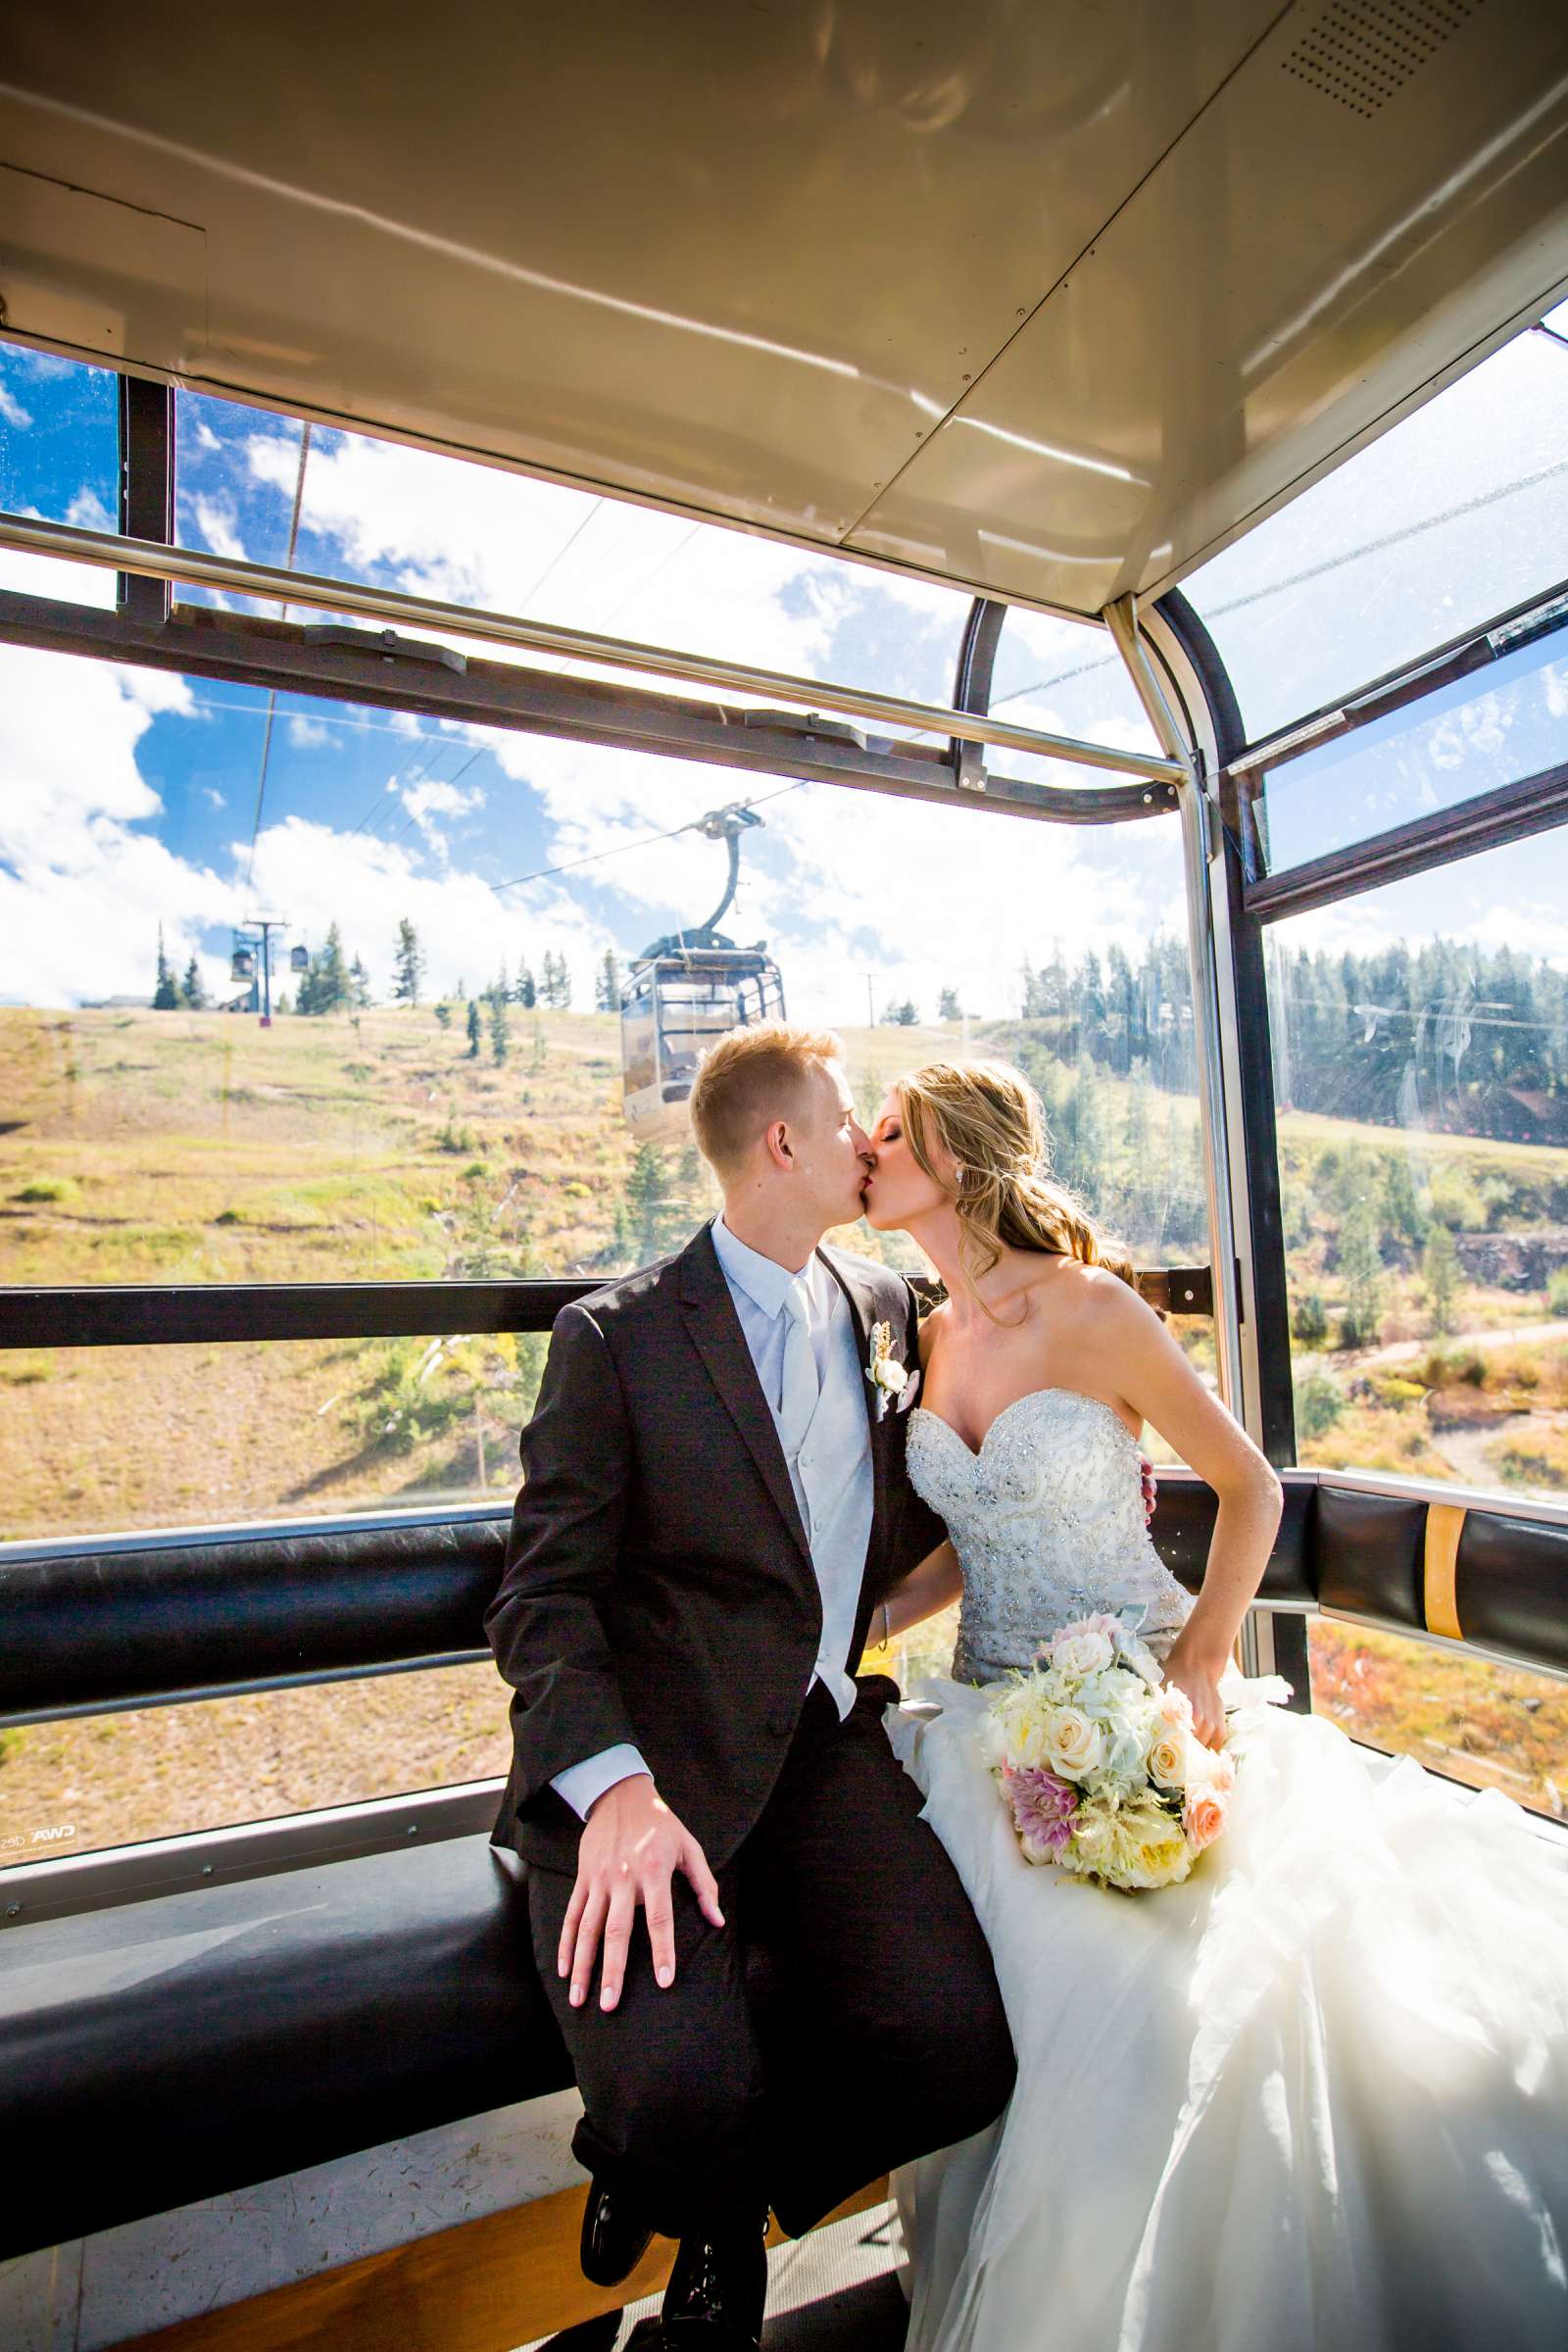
1098, 1761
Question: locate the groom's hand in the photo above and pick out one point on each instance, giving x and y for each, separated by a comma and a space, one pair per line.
1146, 1472
631, 1847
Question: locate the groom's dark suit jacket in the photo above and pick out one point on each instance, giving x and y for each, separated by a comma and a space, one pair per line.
658, 1585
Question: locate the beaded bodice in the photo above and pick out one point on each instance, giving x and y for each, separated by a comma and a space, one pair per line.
1048, 1523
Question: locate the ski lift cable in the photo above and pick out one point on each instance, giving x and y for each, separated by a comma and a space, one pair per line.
1314, 572
282, 613
561, 554
644, 841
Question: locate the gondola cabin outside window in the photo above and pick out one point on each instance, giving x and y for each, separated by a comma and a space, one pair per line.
1418, 997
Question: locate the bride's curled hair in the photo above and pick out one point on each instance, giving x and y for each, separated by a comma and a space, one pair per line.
986, 1118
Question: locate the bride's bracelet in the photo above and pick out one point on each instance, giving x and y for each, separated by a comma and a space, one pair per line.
887, 1627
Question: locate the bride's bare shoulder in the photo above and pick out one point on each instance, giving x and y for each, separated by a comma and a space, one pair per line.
1094, 1300
932, 1326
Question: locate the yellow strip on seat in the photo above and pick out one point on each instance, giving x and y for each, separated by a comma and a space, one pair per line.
1444, 1521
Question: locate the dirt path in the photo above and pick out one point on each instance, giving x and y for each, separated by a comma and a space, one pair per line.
1406, 1351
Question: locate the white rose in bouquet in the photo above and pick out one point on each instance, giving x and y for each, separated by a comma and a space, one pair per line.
1074, 1743
1089, 1650
1168, 1757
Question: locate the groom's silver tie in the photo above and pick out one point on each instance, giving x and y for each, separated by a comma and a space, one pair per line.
798, 1402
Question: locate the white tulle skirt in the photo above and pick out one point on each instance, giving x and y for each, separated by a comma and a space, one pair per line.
1315, 2097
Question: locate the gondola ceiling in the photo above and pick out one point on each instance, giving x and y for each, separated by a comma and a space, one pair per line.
1047, 301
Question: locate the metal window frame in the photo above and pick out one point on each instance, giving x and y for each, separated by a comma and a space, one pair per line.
1254, 898
1457, 658
1536, 803
1243, 1142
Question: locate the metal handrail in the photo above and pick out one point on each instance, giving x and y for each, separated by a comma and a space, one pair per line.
148, 560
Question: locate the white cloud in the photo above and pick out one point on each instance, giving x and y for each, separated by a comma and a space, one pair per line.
317, 876
11, 410
218, 524
307, 734
82, 891
217, 797
88, 512
431, 798
205, 436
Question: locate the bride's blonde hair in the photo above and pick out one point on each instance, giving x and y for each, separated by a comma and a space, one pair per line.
988, 1119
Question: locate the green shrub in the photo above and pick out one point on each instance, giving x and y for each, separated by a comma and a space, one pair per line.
49, 1188
1310, 1322
1457, 1201
1319, 1403
1557, 1291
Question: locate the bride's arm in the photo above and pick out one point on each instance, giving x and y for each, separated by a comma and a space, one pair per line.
1144, 1364
935, 1585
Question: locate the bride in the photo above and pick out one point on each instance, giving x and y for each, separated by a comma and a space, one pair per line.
1317, 2094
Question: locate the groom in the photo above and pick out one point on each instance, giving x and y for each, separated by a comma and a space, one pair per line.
765, 1969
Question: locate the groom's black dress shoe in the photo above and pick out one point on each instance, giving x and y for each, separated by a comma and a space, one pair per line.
614, 2239
716, 2291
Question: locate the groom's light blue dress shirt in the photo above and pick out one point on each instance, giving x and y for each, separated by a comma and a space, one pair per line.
830, 1472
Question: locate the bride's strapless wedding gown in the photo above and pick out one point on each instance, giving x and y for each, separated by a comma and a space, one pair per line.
1315, 2096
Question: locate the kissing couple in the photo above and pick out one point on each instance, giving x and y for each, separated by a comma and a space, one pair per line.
1315, 2094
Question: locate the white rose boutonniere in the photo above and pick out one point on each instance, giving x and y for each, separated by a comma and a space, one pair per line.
888, 1377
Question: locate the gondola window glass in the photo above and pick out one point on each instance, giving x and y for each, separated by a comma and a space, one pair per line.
1458, 512
1504, 722
375, 512
1065, 680
443, 1088
1469, 1718
84, 1783
1420, 1042
60, 460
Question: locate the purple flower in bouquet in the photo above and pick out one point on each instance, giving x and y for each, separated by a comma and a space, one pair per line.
1043, 1809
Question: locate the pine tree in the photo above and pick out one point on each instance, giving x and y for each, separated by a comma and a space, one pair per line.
948, 1006
443, 1014
473, 1029
607, 984
1361, 1265
525, 993
1401, 1211
647, 1202
165, 997
1439, 1266
407, 964
500, 1034
557, 993
193, 988
326, 985
359, 984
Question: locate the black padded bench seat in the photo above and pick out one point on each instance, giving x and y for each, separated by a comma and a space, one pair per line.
159, 2052
154, 2053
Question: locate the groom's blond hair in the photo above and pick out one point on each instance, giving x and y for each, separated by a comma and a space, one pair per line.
751, 1077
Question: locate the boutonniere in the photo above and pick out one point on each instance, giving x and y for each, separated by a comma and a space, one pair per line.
888, 1377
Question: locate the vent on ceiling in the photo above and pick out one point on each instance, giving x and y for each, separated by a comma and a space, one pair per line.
1362, 52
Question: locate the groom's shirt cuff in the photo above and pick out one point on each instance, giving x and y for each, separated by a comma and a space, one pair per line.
582, 1785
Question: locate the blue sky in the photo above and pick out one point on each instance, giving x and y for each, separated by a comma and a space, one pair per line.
129, 799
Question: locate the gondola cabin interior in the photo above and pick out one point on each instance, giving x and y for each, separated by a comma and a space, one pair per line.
1099, 480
